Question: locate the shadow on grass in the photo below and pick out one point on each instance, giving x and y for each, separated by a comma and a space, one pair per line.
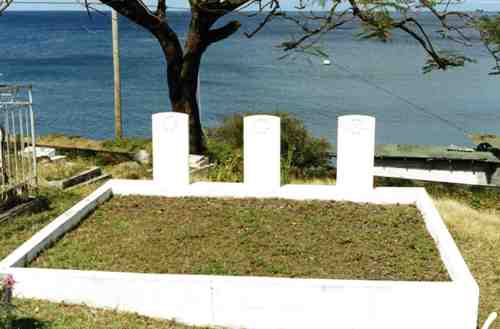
30, 323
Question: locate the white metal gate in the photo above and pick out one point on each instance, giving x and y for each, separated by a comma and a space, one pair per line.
18, 172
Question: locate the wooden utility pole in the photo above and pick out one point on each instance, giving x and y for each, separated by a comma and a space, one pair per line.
116, 64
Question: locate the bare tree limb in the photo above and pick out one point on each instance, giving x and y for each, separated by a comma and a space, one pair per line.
275, 6
161, 9
4, 4
223, 32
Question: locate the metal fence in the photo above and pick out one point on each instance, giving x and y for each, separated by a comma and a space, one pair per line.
18, 171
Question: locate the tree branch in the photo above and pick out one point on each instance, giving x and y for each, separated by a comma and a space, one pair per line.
275, 5
4, 4
223, 32
135, 10
161, 9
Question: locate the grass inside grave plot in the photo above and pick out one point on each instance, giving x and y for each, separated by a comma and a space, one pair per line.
251, 237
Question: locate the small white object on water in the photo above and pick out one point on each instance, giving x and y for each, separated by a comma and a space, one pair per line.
326, 62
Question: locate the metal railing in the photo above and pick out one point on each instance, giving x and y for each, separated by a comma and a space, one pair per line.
18, 171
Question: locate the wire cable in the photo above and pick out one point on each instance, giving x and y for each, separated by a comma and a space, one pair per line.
414, 106
16, 2
344, 68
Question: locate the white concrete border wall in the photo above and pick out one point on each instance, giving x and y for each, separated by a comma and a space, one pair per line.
253, 302
57, 228
257, 302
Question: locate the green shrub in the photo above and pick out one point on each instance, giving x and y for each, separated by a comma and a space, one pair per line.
303, 156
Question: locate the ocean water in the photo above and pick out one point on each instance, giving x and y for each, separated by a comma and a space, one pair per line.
67, 58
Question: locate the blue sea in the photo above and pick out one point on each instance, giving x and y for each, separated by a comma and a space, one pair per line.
67, 57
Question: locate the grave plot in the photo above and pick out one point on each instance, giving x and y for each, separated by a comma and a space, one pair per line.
307, 239
65, 174
400, 281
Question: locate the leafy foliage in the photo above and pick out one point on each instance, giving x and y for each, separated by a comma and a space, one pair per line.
489, 28
379, 29
303, 155
381, 18
451, 58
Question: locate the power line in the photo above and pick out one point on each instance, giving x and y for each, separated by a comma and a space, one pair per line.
414, 106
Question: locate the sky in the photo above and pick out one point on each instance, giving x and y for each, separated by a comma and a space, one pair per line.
488, 5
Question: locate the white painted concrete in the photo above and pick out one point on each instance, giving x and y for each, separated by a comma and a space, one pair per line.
355, 152
171, 149
434, 175
258, 302
262, 152
255, 302
252, 302
381, 195
41, 152
54, 230
452, 259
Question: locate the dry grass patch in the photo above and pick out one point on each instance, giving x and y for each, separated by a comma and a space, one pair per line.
313, 181
251, 237
52, 171
477, 234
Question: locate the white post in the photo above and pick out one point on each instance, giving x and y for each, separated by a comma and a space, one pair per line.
171, 149
262, 151
355, 152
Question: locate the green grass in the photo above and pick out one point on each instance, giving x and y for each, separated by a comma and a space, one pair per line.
51, 171
471, 213
124, 145
19, 229
318, 239
33, 314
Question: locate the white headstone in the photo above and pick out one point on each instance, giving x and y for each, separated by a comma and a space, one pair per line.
262, 151
171, 149
355, 152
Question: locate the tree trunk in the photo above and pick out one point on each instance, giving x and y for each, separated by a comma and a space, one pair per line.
183, 64
188, 104
182, 77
